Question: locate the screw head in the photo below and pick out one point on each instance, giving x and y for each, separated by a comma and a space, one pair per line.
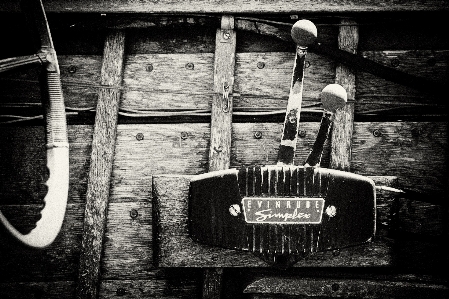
331, 211
258, 135
395, 62
377, 133
139, 136
184, 135
260, 65
226, 35
302, 133
133, 213
149, 67
235, 210
190, 66
72, 69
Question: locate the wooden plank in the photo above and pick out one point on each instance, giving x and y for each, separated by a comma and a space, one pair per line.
271, 287
222, 102
50, 290
261, 80
181, 284
103, 147
253, 6
221, 125
341, 134
415, 152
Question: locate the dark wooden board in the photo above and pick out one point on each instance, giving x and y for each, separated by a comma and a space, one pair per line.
253, 6
298, 288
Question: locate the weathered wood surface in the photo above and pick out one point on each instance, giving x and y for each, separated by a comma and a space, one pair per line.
102, 157
271, 287
178, 285
221, 125
184, 81
341, 134
253, 6
398, 152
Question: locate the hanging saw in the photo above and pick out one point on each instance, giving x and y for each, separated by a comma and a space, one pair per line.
52, 215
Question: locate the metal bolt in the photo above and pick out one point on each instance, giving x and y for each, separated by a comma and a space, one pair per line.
331, 211
133, 213
377, 133
258, 135
260, 65
149, 67
139, 136
234, 210
302, 133
395, 62
226, 35
184, 135
120, 292
190, 66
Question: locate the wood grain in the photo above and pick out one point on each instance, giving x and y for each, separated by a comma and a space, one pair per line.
412, 151
253, 6
341, 134
171, 85
344, 288
103, 148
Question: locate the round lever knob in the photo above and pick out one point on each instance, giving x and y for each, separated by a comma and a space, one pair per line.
333, 97
304, 33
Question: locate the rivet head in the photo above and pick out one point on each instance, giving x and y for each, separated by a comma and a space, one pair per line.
139, 136
72, 69
258, 135
331, 211
377, 133
260, 65
190, 66
133, 213
234, 210
184, 135
302, 133
149, 67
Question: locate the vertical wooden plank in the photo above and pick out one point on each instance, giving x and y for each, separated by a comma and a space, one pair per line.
221, 125
220, 135
102, 156
341, 137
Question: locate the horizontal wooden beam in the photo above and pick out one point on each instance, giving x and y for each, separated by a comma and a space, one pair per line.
360, 288
217, 6
185, 81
